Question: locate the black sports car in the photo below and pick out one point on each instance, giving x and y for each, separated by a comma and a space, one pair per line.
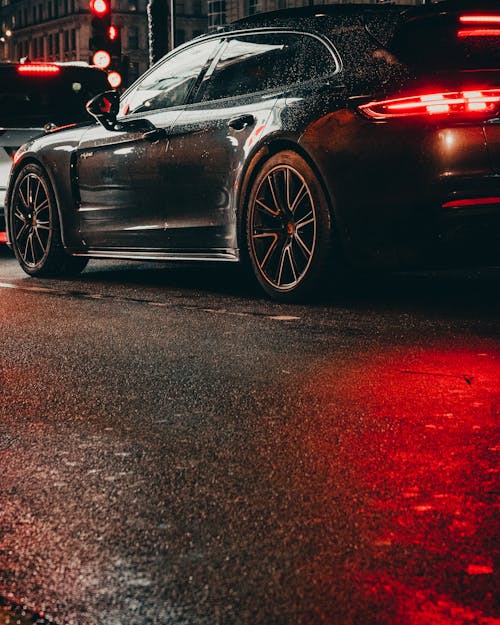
294, 141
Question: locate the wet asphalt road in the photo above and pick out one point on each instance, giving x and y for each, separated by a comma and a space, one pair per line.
176, 450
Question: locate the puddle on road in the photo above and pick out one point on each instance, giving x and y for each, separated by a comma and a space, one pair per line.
16, 614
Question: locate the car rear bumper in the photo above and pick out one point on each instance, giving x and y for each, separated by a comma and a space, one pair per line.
409, 194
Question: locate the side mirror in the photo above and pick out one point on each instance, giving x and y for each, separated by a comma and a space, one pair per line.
104, 108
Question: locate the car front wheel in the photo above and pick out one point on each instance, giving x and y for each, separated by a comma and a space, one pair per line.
34, 227
288, 228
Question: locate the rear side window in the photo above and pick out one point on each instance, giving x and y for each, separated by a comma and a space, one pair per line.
446, 42
253, 63
33, 100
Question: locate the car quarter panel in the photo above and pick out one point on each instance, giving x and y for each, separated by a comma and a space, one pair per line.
389, 180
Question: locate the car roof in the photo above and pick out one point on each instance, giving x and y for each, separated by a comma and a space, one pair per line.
379, 20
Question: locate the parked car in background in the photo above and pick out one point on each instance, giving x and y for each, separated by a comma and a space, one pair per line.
366, 133
36, 97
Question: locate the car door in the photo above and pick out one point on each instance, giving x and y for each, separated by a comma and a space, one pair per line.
211, 139
123, 175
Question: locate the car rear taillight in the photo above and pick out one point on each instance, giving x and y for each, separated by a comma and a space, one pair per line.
480, 19
480, 25
478, 32
470, 103
39, 68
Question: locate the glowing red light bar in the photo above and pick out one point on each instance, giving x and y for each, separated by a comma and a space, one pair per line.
113, 33
41, 68
481, 201
3, 237
480, 19
478, 32
484, 101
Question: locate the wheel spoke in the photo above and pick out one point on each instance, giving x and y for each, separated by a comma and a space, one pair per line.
19, 215
263, 207
270, 249
302, 193
292, 264
24, 199
40, 242
281, 265
22, 230
29, 191
42, 206
305, 220
275, 192
35, 199
25, 255
305, 250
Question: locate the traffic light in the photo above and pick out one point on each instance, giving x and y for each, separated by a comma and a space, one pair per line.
105, 39
99, 26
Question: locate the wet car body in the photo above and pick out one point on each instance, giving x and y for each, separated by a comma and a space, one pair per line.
175, 182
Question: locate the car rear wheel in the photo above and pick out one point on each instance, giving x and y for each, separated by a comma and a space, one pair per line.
288, 228
34, 227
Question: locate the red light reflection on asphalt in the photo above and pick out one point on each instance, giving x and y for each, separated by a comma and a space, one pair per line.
424, 464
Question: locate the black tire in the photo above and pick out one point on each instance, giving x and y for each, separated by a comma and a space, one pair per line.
288, 229
35, 232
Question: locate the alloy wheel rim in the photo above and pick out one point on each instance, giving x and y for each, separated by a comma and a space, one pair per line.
283, 228
31, 220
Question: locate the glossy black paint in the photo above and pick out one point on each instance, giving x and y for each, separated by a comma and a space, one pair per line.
179, 190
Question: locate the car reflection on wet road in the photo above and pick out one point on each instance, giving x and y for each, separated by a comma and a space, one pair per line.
175, 450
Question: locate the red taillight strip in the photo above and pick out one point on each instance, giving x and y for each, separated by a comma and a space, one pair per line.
38, 69
479, 19
480, 201
452, 103
478, 32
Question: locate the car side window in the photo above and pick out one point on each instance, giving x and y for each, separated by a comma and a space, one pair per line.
252, 63
170, 83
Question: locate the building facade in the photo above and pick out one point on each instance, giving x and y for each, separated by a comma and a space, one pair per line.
60, 30
222, 12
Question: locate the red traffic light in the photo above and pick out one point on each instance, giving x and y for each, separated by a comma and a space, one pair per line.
99, 7
115, 79
101, 59
113, 33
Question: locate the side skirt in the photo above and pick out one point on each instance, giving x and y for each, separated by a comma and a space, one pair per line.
229, 256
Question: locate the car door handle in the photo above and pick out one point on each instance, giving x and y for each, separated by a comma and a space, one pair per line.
155, 135
238, 123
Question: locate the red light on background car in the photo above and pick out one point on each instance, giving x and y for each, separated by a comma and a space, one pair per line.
457, 103
41, 68
480, 19
3, 237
